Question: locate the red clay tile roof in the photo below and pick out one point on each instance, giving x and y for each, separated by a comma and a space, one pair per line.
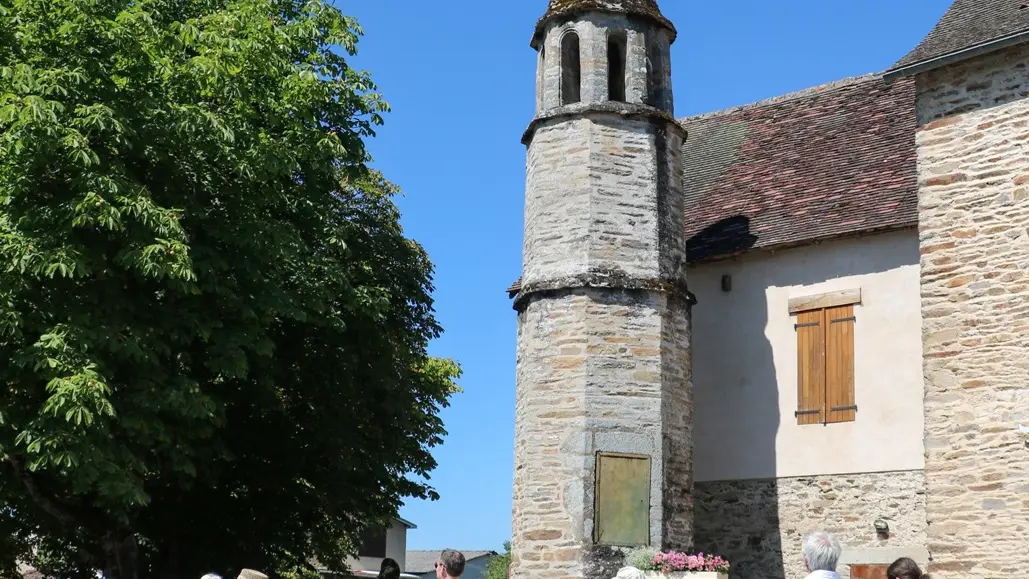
827, 162
831, 161
967, 24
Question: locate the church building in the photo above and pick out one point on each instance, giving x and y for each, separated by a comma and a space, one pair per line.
807, 313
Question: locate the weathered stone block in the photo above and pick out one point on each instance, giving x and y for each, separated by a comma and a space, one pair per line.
759, 525
973, 119
604, 314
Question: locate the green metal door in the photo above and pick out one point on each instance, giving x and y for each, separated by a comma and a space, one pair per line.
622, 517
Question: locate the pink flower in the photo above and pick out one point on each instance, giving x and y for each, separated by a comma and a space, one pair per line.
675, 562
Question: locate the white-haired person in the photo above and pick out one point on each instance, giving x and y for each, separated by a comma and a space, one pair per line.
821, 555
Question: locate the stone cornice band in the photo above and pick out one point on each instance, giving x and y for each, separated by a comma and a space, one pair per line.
604, 280
579, 110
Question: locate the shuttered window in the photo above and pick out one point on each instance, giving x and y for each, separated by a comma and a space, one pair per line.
825, 366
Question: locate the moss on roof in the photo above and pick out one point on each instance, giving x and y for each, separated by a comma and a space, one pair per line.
565, 8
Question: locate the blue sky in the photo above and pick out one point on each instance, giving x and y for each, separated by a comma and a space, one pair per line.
459, 75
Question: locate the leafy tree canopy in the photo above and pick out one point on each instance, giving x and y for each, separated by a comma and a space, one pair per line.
498, 565
213, 331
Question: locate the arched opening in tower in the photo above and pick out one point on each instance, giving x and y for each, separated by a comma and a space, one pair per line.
616, 46
655, 73
571, 69
541, 70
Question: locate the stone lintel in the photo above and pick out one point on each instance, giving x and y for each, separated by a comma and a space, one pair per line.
585, 110
847, 297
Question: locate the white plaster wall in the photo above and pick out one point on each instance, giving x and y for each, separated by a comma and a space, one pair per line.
396, 544
745, 362
396, 549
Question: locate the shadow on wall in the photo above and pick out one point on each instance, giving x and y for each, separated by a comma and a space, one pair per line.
739, 413
727, 236
738, 520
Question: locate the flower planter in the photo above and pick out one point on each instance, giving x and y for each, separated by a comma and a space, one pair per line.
685, 575
650, 563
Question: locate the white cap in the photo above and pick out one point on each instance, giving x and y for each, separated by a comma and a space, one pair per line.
630, 573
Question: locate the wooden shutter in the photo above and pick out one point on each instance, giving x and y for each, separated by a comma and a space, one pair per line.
810, 368
839, 364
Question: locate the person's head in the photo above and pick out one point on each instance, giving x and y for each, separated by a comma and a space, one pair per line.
212, 576
905, 568
450, 564
389, 570
821, 552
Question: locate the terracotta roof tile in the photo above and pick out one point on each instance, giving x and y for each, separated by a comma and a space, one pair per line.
830, 161
969, 23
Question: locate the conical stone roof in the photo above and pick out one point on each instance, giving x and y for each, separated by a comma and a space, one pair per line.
566, 8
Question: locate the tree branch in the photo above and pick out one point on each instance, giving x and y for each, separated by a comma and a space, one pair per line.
49, 505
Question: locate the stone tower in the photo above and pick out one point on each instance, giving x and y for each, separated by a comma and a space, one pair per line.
603, 446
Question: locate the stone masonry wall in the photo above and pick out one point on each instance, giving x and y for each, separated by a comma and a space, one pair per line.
760, 525
603, 328
593, 368
604, 335
973, 155
597, 200
593, 30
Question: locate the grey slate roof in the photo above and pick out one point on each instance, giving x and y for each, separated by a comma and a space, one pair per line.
418, 562
568, 8
638, 7
967, 24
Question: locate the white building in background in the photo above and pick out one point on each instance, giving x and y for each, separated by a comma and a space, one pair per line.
377, 545
421, 563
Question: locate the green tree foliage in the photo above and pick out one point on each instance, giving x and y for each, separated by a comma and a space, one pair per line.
213, 331
497, 565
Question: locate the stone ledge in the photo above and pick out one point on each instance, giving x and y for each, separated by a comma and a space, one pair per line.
615, 280
627, 110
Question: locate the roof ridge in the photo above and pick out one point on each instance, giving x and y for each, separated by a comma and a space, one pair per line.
808, 92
